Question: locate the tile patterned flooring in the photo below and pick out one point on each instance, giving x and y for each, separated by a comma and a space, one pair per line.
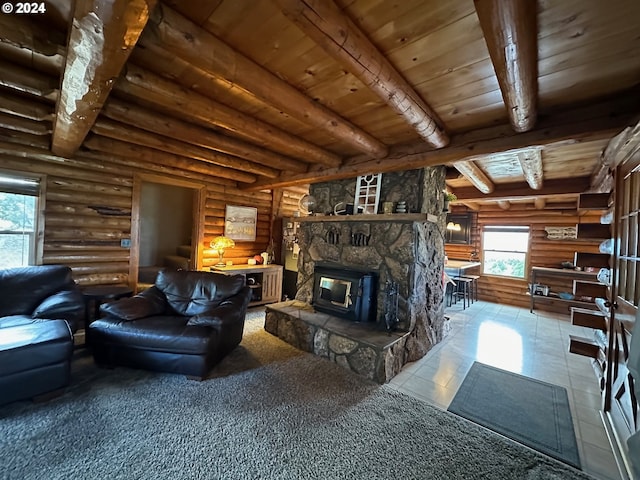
532, 344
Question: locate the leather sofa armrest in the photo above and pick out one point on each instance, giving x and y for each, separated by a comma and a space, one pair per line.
230, 311
65, 305
145, 304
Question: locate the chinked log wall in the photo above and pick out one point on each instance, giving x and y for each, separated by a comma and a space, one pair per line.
542, 251
88, 205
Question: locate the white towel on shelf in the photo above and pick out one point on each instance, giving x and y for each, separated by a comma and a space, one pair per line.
633, 363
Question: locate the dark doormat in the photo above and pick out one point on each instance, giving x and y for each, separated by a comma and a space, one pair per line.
529, 411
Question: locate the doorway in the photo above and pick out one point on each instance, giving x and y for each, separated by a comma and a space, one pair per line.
166, 228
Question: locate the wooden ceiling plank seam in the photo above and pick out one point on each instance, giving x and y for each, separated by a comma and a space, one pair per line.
103, 34
510, 30
246, 171
141, 83
342, 39
177, 129
205, 51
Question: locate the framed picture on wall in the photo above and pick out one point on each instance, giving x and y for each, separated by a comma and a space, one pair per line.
458, 229
240, 223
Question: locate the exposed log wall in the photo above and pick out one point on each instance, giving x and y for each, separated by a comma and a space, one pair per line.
542, 251
88, 205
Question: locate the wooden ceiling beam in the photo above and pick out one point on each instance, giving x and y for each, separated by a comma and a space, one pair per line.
103, 34
475, 175
620, 148
581, 124
140, 83
142, 158
341, 38
167, 162
522, 191
24, 125
176, 34
242, 170
531, 163
22, 33
539, 203
510, 31
28, 81
203, 137
25, 108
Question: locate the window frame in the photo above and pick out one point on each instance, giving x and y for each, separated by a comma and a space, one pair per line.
39, 217
509, 229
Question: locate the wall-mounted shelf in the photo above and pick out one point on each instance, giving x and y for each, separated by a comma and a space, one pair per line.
384, 217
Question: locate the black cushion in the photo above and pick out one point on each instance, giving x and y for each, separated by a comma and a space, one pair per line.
193, 293
145, 304
162, 333
33, 345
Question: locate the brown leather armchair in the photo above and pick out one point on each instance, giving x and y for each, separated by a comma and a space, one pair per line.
186, 323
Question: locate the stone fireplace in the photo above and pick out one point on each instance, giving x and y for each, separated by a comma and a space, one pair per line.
405, 254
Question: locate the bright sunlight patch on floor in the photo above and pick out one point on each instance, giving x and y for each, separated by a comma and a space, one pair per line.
500, 346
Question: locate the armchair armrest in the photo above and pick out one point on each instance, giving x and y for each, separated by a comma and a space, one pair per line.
145, 304
66, 305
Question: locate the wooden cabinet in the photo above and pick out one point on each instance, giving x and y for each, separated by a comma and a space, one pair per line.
265, 281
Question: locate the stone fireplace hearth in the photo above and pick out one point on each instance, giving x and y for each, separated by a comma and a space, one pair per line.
406, 251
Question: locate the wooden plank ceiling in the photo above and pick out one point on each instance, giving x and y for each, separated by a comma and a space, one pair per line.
517, 97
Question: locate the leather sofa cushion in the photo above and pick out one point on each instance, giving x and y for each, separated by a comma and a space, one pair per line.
162, 333
15, 320
192, 293
24, 288
145, 304
33, 345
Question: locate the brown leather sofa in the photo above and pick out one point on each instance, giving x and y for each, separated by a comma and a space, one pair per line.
40, 309
186, 323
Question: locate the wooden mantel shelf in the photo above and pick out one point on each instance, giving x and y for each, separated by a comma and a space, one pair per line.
385, 217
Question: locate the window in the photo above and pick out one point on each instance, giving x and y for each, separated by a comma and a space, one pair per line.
505, 251
18, 219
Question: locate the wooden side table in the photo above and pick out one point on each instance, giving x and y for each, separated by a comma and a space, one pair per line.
100, 294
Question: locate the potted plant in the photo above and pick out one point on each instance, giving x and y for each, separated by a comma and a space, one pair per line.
448, 197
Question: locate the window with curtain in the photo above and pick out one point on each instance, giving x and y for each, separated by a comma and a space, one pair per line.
18, 218
505, 250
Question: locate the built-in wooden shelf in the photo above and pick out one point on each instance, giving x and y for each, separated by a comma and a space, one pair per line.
594, 201
594, 231
589, 289
596, 260
384, 217
589, 318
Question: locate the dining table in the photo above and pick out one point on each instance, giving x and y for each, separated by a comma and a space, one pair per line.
456, 268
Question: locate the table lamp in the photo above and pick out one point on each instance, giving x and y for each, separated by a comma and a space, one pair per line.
219, 244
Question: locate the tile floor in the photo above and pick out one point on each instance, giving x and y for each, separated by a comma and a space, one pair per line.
532, 344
